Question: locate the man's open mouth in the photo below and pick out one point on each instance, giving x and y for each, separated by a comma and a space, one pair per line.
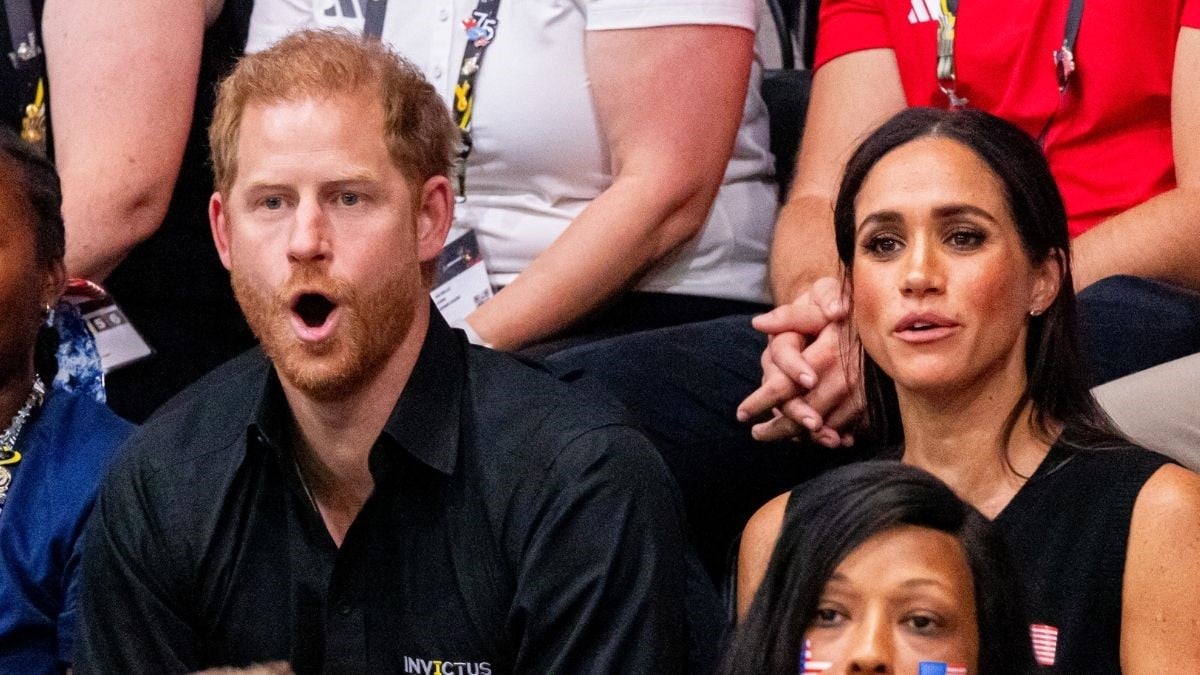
313, 309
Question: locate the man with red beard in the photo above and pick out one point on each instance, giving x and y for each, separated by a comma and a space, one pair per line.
368, 493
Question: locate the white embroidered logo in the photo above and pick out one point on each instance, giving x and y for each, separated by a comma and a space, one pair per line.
924, 10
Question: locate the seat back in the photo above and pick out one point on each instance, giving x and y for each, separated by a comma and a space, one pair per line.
786, 89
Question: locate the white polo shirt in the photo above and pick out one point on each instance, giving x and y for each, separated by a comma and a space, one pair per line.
539, 157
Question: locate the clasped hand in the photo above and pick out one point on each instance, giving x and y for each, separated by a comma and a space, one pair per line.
806, 382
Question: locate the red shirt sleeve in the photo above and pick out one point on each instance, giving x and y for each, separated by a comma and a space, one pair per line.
846, 26
1191, 14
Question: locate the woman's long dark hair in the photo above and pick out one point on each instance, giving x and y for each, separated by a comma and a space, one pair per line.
38, 186
1054, 368
828, 518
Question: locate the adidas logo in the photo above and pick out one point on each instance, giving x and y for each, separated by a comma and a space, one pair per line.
922, 11
345, 9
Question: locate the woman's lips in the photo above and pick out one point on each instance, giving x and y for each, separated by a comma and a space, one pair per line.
924, 327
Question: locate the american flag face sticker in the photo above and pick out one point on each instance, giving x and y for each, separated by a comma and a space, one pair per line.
940, 668
807, 665
1045, 643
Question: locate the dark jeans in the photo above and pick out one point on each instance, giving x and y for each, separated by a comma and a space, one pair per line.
1129, 324
639, 311
683, 385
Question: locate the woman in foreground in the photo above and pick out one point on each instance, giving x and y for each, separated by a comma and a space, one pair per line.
54, 445
880, 568
953, 238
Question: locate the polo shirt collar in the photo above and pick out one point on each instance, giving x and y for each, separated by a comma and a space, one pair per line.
425, 422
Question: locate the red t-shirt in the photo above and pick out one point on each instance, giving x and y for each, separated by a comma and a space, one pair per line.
1110, 144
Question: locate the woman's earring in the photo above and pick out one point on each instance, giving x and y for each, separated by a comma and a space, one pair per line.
47, 314
1035, 312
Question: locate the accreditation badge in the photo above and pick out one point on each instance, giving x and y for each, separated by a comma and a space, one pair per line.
462, 281
118, 342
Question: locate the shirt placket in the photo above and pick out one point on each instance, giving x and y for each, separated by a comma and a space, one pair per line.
345, 610
442, 68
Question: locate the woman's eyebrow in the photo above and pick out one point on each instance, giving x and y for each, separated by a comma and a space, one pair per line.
881, 218
951, 210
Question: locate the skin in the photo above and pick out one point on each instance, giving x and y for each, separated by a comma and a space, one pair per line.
934, 235
852, 95
904, 596
956, 392
123, 93
26, 288
668, 159
317, 205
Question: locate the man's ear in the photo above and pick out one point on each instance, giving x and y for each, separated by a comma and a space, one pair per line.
434, 215
1048, 281
220, 227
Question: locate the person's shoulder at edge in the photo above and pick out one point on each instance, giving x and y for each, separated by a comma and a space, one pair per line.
540, 420
79, 427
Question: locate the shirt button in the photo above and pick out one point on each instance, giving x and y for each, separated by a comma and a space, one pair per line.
343, 608
437, 72
443, 14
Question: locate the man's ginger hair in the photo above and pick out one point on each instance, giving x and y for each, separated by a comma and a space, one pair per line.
421, 136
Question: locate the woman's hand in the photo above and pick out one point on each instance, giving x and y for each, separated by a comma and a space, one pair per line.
806, 386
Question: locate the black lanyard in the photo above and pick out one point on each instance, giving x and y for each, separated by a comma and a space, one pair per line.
481, 31
29, 66
1064, 57
373, 12
22, 29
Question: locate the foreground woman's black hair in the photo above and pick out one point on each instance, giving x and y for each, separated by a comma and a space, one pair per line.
36, 183
1054, 367
829, 517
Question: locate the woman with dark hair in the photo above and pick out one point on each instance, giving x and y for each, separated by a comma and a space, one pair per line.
953, 240
54, 445
877, 536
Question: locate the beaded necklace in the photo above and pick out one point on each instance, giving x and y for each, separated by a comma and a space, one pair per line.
9, 455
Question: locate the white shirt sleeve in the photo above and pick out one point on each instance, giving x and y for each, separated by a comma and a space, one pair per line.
618, 14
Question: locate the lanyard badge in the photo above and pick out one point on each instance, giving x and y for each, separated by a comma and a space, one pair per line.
946, 75
481, 31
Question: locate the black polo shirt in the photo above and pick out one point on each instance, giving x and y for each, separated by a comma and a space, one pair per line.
515, 525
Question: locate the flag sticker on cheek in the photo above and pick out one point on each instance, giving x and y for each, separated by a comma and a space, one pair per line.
1045, 643
940, 668
808, 665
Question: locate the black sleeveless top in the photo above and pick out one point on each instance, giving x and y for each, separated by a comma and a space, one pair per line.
1067, 531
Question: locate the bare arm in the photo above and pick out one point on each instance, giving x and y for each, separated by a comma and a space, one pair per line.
1160, 614
851, 95
669, 155
123, 80
754, 554
1158, 238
